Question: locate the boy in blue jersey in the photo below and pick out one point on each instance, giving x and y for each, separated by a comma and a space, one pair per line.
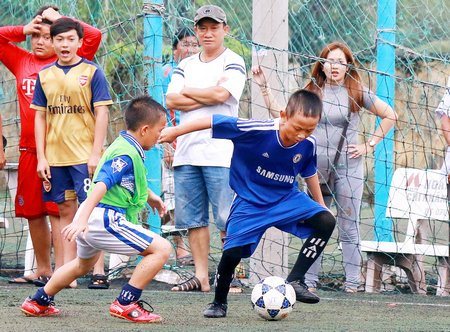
103, 220
267, 157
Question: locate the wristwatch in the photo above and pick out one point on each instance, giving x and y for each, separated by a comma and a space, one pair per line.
372, 143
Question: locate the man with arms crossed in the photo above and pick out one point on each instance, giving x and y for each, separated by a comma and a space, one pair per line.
207, 83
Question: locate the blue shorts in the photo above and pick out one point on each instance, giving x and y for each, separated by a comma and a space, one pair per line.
68, 183
248, 222
195, 187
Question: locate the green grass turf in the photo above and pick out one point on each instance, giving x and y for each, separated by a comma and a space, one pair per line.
87, 310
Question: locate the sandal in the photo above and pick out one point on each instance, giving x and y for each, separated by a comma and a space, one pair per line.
99, 281
41, 281
190, 285
21, 281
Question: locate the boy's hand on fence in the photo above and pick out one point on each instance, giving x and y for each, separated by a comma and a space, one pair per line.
258, 76
358, 150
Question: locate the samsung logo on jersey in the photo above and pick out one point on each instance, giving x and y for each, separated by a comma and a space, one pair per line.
274, 176
64, 109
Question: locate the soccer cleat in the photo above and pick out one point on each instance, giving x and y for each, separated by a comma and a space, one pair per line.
302, 292
31, 308
134, 312
215, 310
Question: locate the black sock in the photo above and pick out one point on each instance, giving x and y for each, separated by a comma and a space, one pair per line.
323, 224
230, 259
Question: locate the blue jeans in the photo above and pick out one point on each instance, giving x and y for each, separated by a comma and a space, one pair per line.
195, 188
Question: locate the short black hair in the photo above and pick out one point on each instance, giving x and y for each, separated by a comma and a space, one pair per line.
305, 102
180, 34
42, 9
65, 24
143, 110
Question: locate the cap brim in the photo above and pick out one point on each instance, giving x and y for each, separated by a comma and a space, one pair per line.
211, 18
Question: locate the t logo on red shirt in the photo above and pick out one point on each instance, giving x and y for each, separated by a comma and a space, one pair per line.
28, 85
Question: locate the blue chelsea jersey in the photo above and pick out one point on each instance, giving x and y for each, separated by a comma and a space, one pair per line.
263, 171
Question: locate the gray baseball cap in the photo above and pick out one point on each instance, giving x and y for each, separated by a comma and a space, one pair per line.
210, 11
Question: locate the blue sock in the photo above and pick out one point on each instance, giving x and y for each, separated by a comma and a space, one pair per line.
129, 294
42, 298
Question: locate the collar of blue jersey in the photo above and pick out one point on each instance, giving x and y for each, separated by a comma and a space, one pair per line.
133, 142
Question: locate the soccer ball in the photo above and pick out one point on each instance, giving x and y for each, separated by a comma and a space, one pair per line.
273, 298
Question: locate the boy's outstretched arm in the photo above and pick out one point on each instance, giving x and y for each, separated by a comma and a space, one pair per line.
314, 188
169, 134
80, 221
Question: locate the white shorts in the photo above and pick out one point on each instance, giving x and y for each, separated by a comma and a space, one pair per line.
110, 231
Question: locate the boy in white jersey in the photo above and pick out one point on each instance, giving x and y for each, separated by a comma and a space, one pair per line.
267, 156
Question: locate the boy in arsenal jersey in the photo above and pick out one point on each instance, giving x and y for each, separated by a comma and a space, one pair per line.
71, 98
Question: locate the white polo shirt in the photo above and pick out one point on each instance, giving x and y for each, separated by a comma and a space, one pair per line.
198, 148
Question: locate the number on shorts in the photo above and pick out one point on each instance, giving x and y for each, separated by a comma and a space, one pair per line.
87, 184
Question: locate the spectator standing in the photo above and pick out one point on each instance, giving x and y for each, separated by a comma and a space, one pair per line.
210, 82
184, 45
71, 98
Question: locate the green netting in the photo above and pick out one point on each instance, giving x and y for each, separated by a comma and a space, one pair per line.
422, 56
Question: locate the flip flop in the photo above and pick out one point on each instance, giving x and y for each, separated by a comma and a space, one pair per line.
190, 285
41, 281
21, 281
99, 281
